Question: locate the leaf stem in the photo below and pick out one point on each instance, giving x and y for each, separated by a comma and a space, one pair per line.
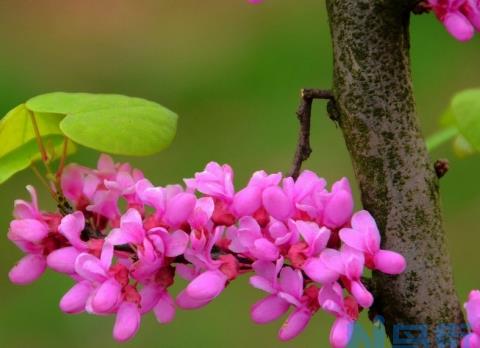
41, 146
441, 137
61, 166
43, 181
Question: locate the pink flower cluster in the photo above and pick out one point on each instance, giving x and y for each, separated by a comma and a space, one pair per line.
461, 18
305, 249
472, 307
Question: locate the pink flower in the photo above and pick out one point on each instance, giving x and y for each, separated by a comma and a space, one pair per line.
471, 9
337, 205
365, 237
28, 269
110, 292
31, 232
25, 210
285, 287
304, 192
75, 300
152, 246
215, 181
209, 277
127, 321
460, 17
345, 310
331, 264
281, 234
249, 200
63, 260
124, 257
79, 184
249, 240
472, 307
315, 240
106, 294
155, 297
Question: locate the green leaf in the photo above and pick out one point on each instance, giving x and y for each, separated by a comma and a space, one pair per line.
111, 123
133, 131
448, 118
22, 157
70, 103
16, 128
441, 137
18, 145
466, 109
462, 147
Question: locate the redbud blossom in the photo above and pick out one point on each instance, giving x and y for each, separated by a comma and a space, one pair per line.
298, 238
461, 18
472, 340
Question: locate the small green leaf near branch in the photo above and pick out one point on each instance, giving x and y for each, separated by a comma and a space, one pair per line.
461, 122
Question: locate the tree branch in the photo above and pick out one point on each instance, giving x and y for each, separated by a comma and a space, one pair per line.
304, 114
375, 107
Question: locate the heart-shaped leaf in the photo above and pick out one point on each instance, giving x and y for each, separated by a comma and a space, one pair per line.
111, 123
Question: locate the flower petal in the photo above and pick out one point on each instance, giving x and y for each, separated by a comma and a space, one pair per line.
71, 227
295, 324
341, 332
389, 262
247, 201
265, 250
179, 208
291, 282
28, 269
176, 243
207, 285
185, 301
107, 296
269, 309
458, 26
75, 300
316, 269
353, 238
63, 260
90, 267
277, 203
361, 294
27, 229
127, 322
165, 309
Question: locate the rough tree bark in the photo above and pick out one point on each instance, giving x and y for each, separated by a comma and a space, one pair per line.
375, 108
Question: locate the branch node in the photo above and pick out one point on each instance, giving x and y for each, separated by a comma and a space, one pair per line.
421, 7
333, 112
441, 167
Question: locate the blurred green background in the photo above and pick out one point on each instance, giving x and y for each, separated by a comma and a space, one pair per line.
232, 71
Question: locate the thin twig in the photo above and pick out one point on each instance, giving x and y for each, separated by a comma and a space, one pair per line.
304, 113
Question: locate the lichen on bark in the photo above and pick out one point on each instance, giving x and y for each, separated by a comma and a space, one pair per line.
376, 110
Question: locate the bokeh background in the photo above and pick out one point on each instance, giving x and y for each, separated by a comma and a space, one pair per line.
232, 71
